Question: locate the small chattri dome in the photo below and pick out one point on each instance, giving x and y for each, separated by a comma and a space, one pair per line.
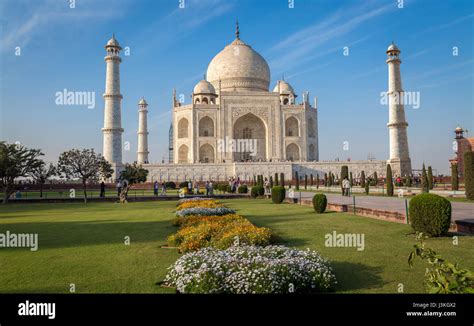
204, 87
393, 48
458, 128
285, 88
142, 102
113, 42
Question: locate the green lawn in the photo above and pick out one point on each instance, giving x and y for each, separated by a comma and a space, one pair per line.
84, 245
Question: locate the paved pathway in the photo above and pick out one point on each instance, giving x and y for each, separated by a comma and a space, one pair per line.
461, 211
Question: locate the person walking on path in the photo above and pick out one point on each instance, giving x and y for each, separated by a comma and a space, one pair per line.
163, 189
155, 188
346, 186
119, 188
102, 189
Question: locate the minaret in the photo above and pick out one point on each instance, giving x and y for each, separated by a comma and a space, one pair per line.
397, 125
113, 130
142, 153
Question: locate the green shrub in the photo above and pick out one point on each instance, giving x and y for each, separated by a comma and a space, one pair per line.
442, 276
362, 179
454, 177
170, 185
282, 179
317, 181
366, 188
257, 191
278, 194
305, 181
430, 214
297, 187
319, 203
430, 178
389, 181
424, 180
469, 174
276, 180
183, 184
243, 189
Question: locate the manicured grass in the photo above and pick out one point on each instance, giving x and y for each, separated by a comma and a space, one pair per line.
84, 245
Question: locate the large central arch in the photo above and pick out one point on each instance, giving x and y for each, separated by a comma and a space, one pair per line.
250, 130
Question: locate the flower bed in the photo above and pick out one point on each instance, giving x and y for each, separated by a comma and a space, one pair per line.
251, 269
193, 199
197, 232
210, 203
201, 211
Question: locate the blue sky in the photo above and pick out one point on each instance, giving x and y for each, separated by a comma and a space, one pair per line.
62, 48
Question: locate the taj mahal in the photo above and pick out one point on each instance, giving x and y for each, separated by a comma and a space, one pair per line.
237, 125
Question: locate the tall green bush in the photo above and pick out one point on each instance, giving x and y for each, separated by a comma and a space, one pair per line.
362, 179
277, 183
424, 180
278, 194
454, 177
297, 181
282, 179
317, 181
366, 188
319, 203
469, 174
389, 181
311, 179
430, 214
305, 181
351, 180
430, 178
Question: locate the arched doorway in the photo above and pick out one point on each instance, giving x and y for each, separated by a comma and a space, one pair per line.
250, 134
183, 126
292, 152
206, 127
292, 127
183, 154
206, 154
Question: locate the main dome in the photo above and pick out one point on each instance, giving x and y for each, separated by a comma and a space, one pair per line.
240, 68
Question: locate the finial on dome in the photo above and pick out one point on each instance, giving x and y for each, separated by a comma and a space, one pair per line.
237, 32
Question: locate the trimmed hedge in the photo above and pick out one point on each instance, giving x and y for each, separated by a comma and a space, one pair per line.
278, 194
430, 214
319, 203
243, 189
257, 191
469, 174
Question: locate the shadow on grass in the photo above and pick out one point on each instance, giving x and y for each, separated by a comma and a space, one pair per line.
356, 276
78, 233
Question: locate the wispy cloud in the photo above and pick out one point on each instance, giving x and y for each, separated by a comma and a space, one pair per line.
447, 25
27, 20
299, 46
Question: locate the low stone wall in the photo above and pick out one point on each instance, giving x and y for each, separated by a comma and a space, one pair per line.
246, 171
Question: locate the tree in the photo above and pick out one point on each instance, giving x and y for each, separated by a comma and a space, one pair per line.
344, 174
469, 174
276, 179
430, 178
424, 180
282, 179
85, 165
325, 179
297, 181
129, 176
351, 180
317, 181
362, 179
389, 181
376, 178
305, 181
16, 161
408, 181
42, 173
454, 177
271, 182
311, 179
